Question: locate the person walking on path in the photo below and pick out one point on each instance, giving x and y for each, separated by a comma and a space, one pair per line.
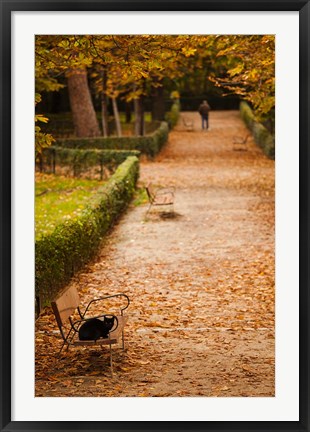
203, 110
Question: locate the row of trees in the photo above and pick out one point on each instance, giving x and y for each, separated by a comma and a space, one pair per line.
133, 66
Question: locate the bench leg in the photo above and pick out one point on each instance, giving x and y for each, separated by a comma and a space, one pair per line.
168, 209
148, 210
123, 340
111, 360
62, 347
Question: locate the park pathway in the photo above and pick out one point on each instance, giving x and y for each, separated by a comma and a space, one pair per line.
201, 283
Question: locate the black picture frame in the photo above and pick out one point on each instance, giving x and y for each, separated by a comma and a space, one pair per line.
7, 7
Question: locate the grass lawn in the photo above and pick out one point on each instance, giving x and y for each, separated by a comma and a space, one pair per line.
59, 199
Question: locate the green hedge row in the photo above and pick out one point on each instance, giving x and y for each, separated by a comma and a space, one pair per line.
82, 160
262, 136
61, 126
73, 243
148, 144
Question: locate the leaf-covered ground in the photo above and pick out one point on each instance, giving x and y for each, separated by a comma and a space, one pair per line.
201, 283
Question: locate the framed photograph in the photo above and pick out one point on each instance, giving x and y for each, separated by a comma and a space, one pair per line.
218, 285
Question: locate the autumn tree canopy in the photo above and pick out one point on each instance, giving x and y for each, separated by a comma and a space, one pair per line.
249, 63
131, 66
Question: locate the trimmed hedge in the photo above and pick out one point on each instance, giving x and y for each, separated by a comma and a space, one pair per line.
61, 125
81, 160
262, 136
73, 243
148, 144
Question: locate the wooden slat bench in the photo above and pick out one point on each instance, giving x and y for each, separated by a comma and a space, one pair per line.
70, 317
240, 143
161, 197
188, 123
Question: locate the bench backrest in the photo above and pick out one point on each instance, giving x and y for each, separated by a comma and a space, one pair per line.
65, 304
187, 122
150, 192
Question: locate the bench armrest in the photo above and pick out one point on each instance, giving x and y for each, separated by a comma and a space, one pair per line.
165, 190
105, 298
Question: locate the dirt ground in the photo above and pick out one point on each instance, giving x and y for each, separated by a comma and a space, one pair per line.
201, 283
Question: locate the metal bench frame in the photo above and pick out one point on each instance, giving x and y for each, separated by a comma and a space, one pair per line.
240, 143
163, 197
67, 304
188, 123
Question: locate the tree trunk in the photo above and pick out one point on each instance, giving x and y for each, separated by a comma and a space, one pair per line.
83, 112
128, 112
104, 106
158, 104
116, 117
139, 117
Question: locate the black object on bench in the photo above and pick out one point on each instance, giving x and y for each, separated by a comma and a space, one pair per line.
68, 303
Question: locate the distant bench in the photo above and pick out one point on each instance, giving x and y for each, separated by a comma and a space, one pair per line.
188, 123
163, 197
69, 317
240, 143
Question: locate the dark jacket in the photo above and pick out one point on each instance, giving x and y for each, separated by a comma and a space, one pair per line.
204, 109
